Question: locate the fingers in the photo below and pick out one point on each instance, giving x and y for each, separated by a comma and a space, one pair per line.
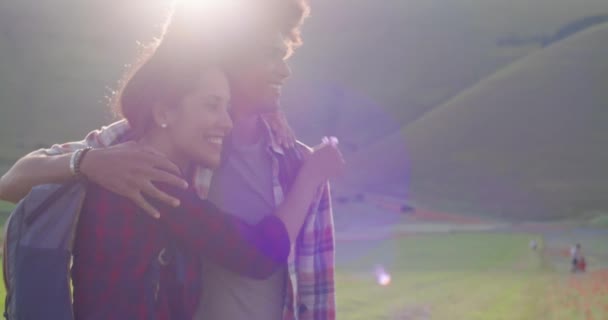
330, 140
152, 151
157, 175
143, 204
152, 191
148, 155
159, 161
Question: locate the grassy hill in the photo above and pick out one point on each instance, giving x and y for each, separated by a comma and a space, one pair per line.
381, 64
527, 141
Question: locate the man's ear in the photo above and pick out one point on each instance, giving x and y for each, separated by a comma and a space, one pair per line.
163, 115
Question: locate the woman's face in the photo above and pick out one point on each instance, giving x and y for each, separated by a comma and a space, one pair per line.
200, 122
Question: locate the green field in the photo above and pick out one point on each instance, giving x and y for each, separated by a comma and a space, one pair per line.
464, 276
460, 276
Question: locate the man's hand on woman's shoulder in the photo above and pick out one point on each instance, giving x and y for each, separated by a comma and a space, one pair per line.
129, 169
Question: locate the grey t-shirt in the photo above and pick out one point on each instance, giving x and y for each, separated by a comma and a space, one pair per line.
242, 186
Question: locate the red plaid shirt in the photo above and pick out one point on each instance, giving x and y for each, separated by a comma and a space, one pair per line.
116, 272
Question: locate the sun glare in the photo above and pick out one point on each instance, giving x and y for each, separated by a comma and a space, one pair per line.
216, 10
216, 14
215, 6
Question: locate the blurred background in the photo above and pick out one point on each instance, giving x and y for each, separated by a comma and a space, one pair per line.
497, 107
451, 110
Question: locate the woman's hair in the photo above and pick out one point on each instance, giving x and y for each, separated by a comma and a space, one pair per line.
169, 67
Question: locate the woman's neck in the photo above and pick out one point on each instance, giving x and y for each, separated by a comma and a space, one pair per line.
160, 144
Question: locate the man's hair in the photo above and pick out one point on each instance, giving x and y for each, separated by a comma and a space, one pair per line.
290, 17
168, 67
197, 27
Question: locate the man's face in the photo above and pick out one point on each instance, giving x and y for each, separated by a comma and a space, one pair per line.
256, 79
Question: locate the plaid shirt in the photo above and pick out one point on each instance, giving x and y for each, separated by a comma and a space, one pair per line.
310, 291
117, 273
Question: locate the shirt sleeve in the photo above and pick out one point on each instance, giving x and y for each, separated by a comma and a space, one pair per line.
316, 262
101, 138
255, 251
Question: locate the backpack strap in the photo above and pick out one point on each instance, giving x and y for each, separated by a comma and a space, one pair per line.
49, 201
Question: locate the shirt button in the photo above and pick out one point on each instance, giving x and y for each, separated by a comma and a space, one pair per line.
302, 309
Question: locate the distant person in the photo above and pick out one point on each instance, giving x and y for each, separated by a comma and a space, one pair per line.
533, 245
582, 264
575, 256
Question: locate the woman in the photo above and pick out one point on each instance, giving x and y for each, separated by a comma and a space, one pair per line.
128, 265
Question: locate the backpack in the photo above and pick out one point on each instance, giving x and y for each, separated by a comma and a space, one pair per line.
38, 248
37, 252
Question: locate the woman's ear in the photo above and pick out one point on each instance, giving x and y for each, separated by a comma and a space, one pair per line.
163, 115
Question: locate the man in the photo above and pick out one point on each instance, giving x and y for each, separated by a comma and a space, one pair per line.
252, 175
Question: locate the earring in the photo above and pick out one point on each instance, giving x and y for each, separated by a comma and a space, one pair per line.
163, 125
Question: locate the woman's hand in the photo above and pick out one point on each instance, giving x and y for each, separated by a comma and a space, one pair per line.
325, 162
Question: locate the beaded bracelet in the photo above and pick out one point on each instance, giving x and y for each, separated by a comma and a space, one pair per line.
76, 161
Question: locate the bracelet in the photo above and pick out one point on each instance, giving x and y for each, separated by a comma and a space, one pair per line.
76, 161
75, 155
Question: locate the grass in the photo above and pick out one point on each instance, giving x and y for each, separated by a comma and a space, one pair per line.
5, 210
455, 276
599, 221
6, 207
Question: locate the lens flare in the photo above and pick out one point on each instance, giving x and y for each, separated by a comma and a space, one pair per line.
382, 276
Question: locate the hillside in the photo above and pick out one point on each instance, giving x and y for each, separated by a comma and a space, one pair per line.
526, 141
376, 65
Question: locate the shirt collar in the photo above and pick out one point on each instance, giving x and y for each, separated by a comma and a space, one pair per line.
269, 140
273, 145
